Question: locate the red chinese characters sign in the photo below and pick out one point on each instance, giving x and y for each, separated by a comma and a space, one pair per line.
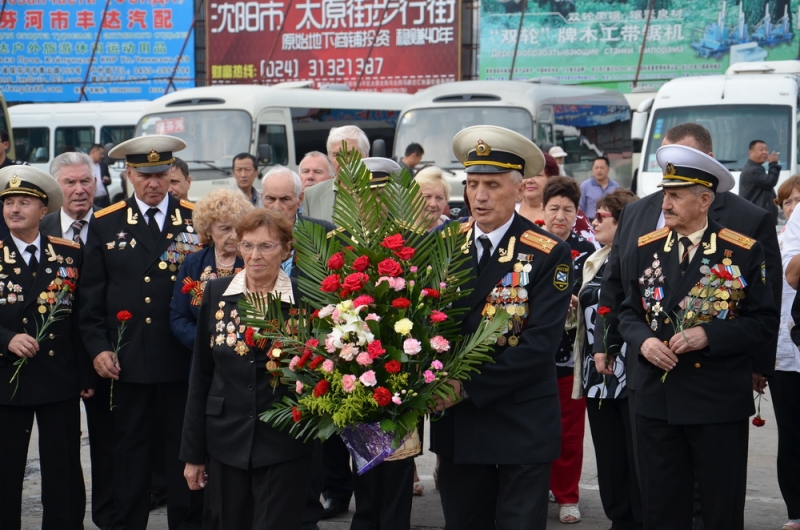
375, 45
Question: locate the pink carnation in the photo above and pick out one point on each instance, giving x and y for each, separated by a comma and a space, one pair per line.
396, 399
364, 359
348, 383
293, 363
363, 300
327, 366
329, 347
373, 316
440, 344
326, 311
437, 365
413, 268
298, 387
397, 284
412, 346
429, 376
348, 351
368, 378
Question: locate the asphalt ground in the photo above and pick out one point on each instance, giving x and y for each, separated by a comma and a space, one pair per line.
765, 509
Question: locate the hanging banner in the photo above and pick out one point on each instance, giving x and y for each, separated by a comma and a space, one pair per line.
602, 43
45, 50
371, 45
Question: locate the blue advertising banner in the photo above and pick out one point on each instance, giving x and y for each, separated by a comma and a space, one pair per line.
46, 48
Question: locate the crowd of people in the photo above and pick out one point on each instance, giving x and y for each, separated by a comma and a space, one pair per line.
655, 318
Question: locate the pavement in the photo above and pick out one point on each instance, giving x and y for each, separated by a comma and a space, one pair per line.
765, 509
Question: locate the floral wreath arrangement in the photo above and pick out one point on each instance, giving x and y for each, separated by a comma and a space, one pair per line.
372, 346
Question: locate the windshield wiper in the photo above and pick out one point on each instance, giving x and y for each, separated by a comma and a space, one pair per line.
209, 164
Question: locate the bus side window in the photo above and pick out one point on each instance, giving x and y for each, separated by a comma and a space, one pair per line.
116, 134
74, 139
32, 144
275, 136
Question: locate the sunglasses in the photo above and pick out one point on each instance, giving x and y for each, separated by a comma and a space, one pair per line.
599, 216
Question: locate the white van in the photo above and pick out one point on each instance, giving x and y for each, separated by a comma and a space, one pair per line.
221, 121
42, 131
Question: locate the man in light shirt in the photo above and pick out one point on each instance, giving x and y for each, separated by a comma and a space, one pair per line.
100, 171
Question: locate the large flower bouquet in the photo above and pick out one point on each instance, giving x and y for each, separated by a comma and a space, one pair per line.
376, 339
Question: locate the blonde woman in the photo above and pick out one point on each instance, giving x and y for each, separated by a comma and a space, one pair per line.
436, 191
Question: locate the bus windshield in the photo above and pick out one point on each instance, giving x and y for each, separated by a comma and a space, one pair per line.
213, 137
732, 129
435, 128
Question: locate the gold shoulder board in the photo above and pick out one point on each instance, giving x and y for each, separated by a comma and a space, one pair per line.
740, 240
62, 241
466, 225
538, 241
109, 209
654, 236
187, 204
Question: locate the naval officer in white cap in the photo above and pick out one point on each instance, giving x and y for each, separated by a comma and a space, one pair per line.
134, 249
699, 307
497, 442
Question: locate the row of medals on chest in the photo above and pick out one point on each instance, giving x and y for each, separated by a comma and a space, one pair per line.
510, 295
230, 334
185, 243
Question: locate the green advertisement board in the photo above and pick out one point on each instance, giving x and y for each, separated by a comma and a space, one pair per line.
605, 42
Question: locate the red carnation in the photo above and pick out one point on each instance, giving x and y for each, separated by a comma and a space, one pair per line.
430, 293
394, 242
187, 288
758, 421
603, 310
437, 316
375, 349
381, 396
336, 261
575, 254
315, 314
363, 300
390, 267
296, 414
316, 361
401, 303
724, 275
304, 359
539, 222
405, 253
330, 284
392, 366
361, 263
124, 316
322, 388
248, 337
67, 285
354, 282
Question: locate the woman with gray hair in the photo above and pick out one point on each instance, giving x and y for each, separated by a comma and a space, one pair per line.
435, 189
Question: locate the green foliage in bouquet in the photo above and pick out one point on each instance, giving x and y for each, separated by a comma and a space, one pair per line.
375, 337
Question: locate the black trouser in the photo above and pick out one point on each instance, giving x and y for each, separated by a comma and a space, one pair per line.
785, 391
139, 408
383, 496
338, 483
63, 491
100, 421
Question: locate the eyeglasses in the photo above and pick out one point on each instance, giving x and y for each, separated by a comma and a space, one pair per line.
246, 247
599, 216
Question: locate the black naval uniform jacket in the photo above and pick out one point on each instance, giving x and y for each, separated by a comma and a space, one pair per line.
229, 389
512, 413
60, 369
712, 385
129, 271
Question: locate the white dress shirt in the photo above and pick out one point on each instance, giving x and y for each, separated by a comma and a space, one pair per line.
494, 236
161, 216
21, 245
66, 225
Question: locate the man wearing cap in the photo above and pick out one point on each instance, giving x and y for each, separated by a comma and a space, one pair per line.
73, 172
496, 444
44, 378
696, 311
135, 248
561, 157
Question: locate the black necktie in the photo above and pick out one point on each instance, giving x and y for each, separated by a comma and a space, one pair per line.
687, 247
77, 226
152, 223
486, 243
33, 264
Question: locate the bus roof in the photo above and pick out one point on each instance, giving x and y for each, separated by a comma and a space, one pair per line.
778, 89
505, 93
253, 98
29, 114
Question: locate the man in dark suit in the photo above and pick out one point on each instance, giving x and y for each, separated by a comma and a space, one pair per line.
43, 371
135, 248
100, 171
697, 306
73, 172
496, 444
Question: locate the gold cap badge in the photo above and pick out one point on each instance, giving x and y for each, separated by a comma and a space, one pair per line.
670, 170
14, 182
482, 148
153, 156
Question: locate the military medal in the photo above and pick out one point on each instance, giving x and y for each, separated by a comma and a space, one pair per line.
501, 340
513, 340
173, 267
162, 265
219, 314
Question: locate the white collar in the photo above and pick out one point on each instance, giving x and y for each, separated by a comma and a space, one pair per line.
495, 235
283, 286
162, 206
21, 245
66, 221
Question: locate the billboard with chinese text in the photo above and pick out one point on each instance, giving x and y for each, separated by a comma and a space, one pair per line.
374, 45
606, 42
45, 50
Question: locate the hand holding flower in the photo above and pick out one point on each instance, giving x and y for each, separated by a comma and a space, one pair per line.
443, 404
691, 339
